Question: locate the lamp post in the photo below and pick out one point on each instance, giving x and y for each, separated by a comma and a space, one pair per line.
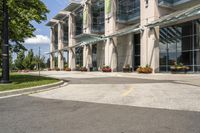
39, 62
5, 45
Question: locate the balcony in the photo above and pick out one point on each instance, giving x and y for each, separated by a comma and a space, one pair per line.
172, 3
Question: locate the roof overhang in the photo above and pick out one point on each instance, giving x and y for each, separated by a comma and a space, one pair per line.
176, 17
86, 39
127, 30
72, 6
61, 15
52, 22
58, 18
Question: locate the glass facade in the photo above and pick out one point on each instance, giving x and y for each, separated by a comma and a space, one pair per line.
181, 44
56, 37
79, 56
65, 34
136, 51
128, 10
98, 17
79, 21
94, 57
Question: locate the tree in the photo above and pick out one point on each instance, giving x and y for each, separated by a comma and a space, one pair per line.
19, 60
39, 62
28, 60
21, 15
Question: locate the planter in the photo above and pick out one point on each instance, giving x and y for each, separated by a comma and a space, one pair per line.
106, 70
68, 69
83, 69
179, 69
145, 70
127, 70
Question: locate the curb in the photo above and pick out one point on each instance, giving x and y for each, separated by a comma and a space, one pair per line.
31, 90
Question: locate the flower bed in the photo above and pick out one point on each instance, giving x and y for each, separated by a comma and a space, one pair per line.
177, 68
146, 69
67, 69
127, 68
106, 69
83, 69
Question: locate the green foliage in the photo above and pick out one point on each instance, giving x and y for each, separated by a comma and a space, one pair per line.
22, 13
39, 62
19, 60
28, 61
20, 81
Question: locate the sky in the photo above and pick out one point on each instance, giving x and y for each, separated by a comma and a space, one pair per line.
42, 32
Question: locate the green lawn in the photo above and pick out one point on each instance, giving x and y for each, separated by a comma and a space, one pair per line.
20, 81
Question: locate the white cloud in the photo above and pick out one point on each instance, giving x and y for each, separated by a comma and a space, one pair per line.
38, 39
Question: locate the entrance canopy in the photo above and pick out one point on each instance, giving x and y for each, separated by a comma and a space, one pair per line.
127, 30
85, 39
190, 13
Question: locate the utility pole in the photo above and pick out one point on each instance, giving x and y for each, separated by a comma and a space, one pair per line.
5, 46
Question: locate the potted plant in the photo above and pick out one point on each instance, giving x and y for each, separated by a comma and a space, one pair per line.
67, 69
127, 68
147, 69
179, 67
83, 69
106, 69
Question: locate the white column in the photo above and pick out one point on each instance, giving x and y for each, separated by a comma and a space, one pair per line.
87, 50
71, 26
150, 37
60, 46
52, 48
111, 44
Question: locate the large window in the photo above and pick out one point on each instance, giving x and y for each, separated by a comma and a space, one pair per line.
180, 44
128, 10
56, 37
79, 56
79, 21
136, 51
65, 34
98, 16
94, 57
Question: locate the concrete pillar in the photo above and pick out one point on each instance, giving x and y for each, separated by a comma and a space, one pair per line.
52, 48
71, 26
60, 46
87, 50
150, 37
111, 44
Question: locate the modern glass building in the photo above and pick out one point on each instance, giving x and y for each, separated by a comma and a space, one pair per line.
116, 33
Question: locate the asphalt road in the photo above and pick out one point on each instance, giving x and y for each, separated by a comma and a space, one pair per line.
25, 114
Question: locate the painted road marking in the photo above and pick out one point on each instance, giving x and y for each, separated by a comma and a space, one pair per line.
126, 93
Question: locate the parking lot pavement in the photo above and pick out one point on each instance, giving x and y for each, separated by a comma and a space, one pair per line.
154, 95
189, 79
25, 114
107, 103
